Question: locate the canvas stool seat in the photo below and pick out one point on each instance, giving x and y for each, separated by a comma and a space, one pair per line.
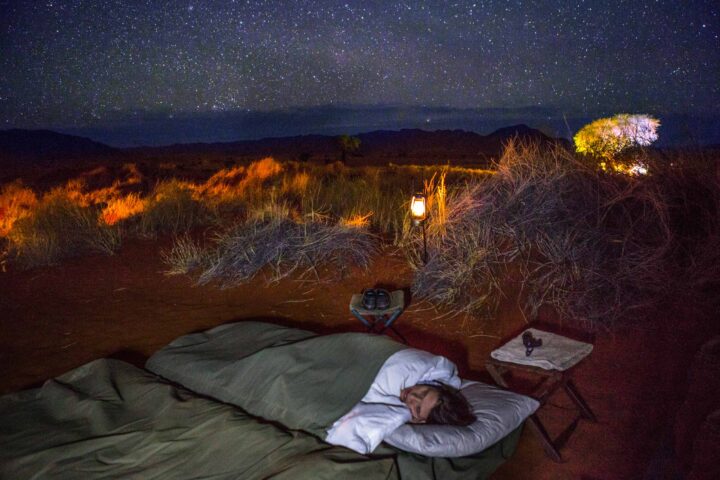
553, 363
382, 318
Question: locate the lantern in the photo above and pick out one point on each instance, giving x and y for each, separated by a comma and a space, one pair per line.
418, 212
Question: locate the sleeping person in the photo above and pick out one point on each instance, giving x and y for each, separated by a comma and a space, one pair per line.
437, 404
413, 386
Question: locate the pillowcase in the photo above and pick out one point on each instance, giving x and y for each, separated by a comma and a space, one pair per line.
380, 412
498, 413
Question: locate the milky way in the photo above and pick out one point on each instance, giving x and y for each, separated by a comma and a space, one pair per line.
77, 62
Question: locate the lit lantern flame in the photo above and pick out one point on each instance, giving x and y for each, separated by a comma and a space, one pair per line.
417, 208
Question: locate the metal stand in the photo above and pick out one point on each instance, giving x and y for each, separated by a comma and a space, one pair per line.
383, 318
553, 381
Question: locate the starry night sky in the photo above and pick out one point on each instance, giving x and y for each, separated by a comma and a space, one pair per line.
108, 67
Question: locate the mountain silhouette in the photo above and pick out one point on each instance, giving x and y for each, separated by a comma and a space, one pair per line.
33, 147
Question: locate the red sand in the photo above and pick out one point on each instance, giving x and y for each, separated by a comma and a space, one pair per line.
55, 319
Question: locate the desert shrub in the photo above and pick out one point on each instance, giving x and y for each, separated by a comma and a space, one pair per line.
690, 186
593, 246
222, 187
347, 145
121, 208
296, 183
185, 256
171, 208
16, 202
272, 210
234, 190
285, 246
60, 227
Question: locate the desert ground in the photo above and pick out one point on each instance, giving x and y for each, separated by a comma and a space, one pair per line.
88, 253
123, 306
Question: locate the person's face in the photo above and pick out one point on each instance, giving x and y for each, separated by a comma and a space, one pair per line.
420, 399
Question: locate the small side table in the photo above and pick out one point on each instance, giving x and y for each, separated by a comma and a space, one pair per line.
383, 318
555, 374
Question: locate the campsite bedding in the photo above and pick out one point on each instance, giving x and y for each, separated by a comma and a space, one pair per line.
303, 380
110, 420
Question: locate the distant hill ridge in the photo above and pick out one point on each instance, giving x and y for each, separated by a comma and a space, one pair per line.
38, 143
406, 145
41, 146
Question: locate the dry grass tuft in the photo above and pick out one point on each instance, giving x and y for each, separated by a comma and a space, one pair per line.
172, 208
16, 202
122, 208
57, 228
282, 247
296, 184
185, 256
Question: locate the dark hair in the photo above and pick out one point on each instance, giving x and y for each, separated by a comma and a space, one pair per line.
452, 408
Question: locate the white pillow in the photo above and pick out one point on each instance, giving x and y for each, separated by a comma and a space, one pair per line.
381, 411
407, 368
498, 412
363, 428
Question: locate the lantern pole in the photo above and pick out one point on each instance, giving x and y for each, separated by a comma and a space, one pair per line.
419, 214
424, 243
427, 213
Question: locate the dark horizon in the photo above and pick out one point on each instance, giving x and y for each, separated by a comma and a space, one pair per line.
153, 130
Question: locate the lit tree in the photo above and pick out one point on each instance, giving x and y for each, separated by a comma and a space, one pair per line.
606, 138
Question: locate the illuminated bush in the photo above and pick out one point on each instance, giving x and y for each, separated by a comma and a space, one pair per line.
296, 184
121, 208
16, 201
58, 227
606, 139
171, 208
263, 169
233, 188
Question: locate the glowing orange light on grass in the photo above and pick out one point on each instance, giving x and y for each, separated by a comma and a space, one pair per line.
264, 169
235, 183
357, 220
16, 201
121, 208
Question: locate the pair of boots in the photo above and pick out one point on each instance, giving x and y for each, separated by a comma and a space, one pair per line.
376, 299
